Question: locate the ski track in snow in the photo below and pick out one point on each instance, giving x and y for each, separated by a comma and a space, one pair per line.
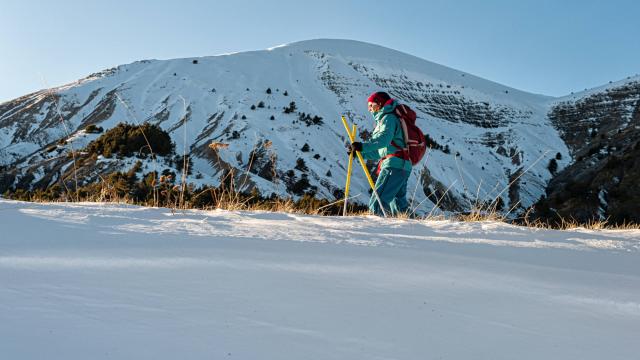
91, 280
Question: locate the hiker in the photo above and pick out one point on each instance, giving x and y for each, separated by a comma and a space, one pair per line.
386, 143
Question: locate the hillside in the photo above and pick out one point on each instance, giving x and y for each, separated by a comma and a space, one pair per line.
488, 141
602, 128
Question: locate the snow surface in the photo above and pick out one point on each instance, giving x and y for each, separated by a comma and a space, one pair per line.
88, 281
596, 90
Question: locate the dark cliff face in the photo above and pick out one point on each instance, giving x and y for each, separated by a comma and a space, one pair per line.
595, 119
603, 133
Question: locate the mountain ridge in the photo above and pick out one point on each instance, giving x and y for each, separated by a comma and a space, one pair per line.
484, 133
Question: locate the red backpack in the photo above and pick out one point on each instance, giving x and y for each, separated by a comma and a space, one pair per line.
413, 136
416, 144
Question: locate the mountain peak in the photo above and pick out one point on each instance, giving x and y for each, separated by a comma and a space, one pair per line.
338, 45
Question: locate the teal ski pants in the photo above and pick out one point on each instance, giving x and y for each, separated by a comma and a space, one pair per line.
391, 186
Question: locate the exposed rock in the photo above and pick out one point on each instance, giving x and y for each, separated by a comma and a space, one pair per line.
603, 181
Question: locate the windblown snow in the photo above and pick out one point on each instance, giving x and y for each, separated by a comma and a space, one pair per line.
90, 280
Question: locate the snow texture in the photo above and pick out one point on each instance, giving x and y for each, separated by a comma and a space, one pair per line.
89, 281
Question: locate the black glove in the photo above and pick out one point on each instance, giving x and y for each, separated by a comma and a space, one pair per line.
356, 146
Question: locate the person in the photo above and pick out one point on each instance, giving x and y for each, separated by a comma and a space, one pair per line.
386, 143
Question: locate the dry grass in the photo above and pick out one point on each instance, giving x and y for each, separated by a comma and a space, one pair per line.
218, 145
231, 201
479, 216
572, 224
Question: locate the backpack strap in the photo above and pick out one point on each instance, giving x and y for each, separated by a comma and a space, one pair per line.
402, 153
405, 132
381, 161
401, 111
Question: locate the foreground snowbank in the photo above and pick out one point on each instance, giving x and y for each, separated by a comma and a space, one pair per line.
114, 281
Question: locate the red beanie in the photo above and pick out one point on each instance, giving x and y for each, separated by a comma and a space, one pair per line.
379, 98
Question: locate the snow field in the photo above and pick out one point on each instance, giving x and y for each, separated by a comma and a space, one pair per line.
115, 281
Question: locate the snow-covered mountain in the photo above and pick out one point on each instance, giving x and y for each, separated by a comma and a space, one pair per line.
489, 141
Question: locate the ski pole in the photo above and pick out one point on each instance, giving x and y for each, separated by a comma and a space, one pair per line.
364, 167
346, 188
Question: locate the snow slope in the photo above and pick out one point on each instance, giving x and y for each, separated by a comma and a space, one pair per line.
114, 281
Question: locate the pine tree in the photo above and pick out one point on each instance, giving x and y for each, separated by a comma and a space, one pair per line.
291, 108
316, 120
553, 166
300, 165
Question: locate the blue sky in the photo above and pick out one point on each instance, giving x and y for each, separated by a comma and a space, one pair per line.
545, 46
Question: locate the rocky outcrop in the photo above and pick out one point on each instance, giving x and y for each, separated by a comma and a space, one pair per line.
603, 132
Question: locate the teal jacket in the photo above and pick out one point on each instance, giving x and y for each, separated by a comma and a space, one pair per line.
387, 129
